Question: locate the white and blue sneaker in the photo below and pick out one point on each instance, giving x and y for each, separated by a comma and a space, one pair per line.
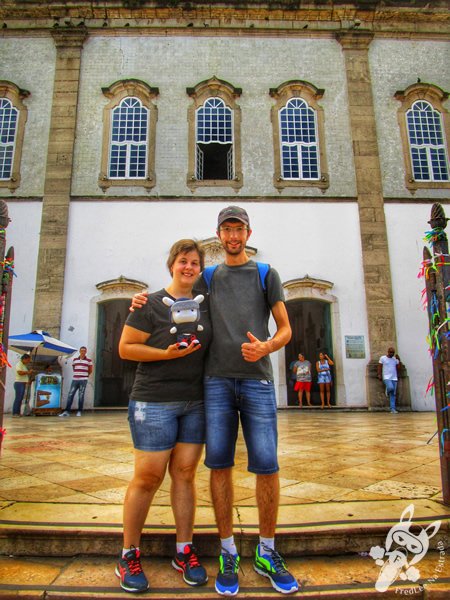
270, 564
227, 580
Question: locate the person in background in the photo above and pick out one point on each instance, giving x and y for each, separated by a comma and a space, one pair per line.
388, 368
23, 374
82, 368
324, 378
302, 370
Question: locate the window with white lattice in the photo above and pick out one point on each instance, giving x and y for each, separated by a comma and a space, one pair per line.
13, 116
214, 135
297, 122
129, 135
424, 127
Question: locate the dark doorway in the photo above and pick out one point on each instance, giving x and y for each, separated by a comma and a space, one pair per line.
311, 333
114, 376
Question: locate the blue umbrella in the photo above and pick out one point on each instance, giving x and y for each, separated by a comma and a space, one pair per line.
39, 344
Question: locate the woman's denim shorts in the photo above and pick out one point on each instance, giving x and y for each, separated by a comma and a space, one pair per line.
161, 425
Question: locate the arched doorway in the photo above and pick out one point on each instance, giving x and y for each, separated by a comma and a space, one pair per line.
311, 333
113, 376
314, 316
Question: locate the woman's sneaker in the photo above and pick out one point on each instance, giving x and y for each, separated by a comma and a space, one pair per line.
187, 563
270, 564
227, 581
129, 570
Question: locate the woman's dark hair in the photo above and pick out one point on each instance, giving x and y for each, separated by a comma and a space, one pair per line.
183, 247
25, 356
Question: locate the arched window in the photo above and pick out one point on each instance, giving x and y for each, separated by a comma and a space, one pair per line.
13, 115
427, 143
214, 135
297, 122
425, 129
129, 135
128, 146
214, 140
299, 141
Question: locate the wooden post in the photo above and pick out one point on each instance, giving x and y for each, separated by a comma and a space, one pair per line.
6, 275
437, 282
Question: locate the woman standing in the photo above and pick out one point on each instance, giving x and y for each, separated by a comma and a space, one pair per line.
324, 378
166, 416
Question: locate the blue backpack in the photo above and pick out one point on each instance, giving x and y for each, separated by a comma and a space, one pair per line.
263, 269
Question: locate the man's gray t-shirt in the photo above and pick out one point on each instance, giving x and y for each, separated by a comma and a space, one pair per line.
238, 304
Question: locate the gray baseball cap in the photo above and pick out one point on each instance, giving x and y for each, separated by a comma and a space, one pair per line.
233, 212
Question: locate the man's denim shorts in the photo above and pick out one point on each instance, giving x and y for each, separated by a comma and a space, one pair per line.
227, 399
161, 425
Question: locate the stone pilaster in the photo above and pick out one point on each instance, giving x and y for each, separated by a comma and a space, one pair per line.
58, 177
375, 251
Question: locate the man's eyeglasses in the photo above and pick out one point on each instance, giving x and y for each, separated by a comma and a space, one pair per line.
237, 230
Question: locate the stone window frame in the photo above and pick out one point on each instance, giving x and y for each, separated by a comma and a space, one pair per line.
115, 93
310, 94
435, 96
16, 96
212, 88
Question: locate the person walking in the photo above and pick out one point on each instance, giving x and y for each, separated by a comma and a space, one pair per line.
82, 368
22, 379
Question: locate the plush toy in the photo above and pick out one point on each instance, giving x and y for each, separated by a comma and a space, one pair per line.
185, 312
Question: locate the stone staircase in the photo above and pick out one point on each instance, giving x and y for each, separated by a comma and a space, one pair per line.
54, 551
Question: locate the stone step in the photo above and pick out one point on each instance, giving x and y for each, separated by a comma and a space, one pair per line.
349, 577
46, 529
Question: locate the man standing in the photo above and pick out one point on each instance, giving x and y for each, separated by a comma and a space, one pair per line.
82, 368
22, 379
388, 367
302, 370
239, 385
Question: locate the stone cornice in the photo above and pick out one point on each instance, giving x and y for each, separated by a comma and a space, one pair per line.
413, 17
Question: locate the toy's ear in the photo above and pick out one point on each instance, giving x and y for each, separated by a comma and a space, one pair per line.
433, 529
168, 301
199, 299
408, 512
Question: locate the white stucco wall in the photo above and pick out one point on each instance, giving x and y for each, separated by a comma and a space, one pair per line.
23, 234
132, 239
406, 228
21, 64
395, 65
174, 63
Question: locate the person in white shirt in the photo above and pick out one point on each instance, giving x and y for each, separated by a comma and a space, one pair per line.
82, 368
388, 367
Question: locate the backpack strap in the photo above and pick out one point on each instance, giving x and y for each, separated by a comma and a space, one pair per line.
208, 273
263, 269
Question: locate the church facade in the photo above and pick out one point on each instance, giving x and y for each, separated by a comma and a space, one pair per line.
128, 125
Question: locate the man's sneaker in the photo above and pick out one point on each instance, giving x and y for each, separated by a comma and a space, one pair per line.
64, 414
187, 563
270, 564
394, 412
227, 581
129, 570
79, 413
